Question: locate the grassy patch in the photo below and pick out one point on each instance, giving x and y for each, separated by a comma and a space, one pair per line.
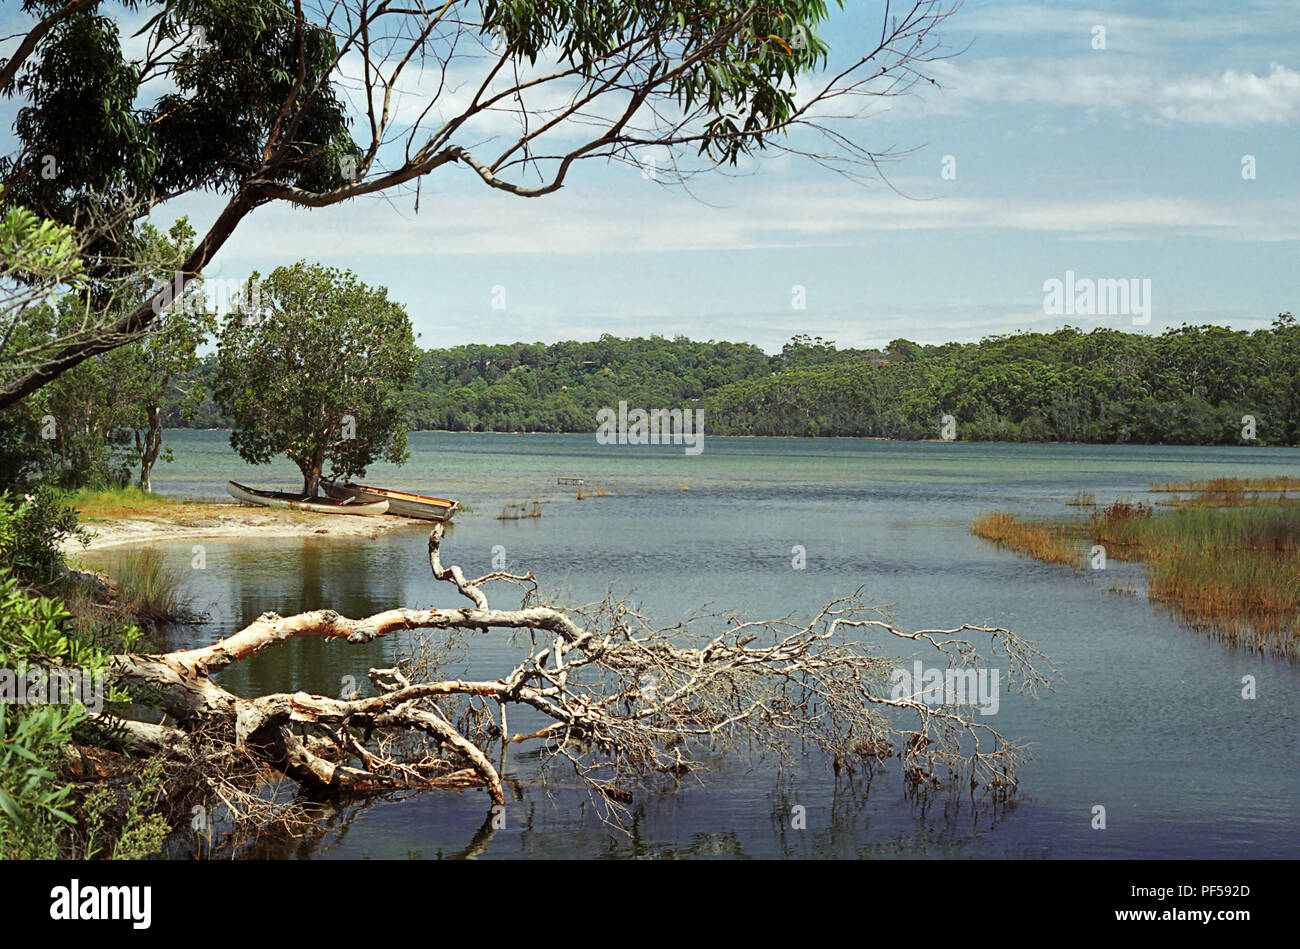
1231, 571
1050, 543
115, 503
1232, 485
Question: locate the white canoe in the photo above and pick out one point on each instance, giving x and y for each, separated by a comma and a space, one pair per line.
404, 503
298, 502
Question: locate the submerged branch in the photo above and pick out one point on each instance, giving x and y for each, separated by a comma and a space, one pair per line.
623, 702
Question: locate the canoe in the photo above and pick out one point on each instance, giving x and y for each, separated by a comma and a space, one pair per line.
299, 502
399, 502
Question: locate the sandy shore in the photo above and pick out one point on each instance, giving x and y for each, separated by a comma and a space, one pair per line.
196, 520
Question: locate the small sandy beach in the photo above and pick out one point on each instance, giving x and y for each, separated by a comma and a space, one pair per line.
208, 519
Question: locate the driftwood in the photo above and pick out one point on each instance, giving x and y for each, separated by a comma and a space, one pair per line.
625, 703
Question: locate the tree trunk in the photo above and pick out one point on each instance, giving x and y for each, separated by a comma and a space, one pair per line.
311, 480
151, 448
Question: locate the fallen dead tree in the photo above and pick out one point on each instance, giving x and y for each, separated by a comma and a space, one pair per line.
624, 703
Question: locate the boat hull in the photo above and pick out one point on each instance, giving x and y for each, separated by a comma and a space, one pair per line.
421, 506
241, 492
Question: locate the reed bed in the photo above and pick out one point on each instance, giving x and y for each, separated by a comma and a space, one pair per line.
1233, 572
1197, 528
1050, 543
1250, 600
1231, 485
147, 590
1083, 499
1226, 499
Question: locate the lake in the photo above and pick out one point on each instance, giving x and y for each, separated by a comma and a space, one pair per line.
1149, 722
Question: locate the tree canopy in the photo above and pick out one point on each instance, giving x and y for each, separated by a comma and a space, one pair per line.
86, 425
310, 364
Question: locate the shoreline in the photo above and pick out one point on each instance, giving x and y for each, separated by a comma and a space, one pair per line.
216, 519
852, 438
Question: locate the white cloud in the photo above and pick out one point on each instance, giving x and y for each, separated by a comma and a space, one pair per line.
1233, 99
1212, 23
1097, 82
478, 221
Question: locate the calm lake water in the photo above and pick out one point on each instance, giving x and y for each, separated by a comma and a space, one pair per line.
1149, 722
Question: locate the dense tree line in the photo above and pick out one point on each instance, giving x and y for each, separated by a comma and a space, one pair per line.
1190, 385
536, 387
533, 387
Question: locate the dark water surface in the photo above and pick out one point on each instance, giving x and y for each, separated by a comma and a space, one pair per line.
1149, 722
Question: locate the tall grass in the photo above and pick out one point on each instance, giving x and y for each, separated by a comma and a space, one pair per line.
1232, 485
99, 503
1227, 499
1251, 600
1050, 543
149, 590
1198, 528
141, 590
1231, 571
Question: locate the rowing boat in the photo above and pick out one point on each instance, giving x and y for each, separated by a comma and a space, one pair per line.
301, 502
399, 502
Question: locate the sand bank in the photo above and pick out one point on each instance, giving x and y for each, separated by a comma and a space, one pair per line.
198, 519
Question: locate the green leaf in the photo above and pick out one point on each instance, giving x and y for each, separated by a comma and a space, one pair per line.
10, 807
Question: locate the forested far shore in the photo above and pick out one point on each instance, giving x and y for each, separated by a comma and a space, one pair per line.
1191, 385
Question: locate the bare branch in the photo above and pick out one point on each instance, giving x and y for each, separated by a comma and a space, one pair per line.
628, 704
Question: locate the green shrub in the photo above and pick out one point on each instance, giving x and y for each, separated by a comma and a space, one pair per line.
39, 816
34, 802
118, 824
32, 530
32, 736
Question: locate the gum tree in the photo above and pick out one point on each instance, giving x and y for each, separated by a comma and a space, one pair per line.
151, 366
76, 427
311, 364
317, 103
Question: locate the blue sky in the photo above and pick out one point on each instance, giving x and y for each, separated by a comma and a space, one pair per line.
1124, 162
